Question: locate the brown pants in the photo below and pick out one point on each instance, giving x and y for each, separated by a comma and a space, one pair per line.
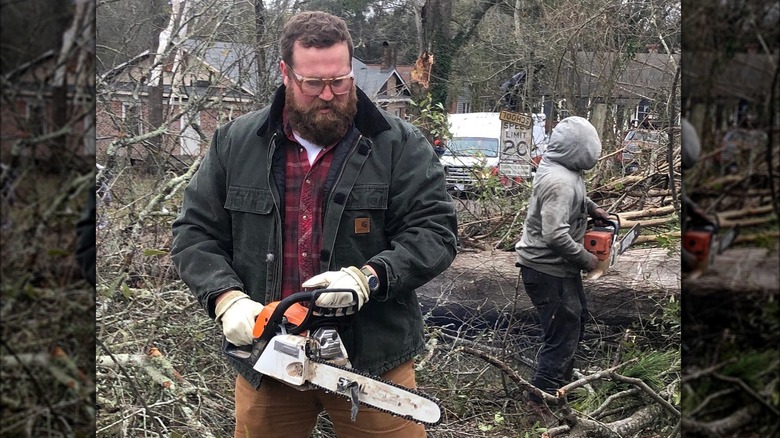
278, 410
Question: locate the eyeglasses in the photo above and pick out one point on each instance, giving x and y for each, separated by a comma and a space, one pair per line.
314, 86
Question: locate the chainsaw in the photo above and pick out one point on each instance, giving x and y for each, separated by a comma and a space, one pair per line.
602, 241
297, 342
704, 242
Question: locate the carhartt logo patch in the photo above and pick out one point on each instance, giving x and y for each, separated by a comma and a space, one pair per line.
362, 225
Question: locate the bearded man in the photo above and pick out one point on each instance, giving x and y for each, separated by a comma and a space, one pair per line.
319, 189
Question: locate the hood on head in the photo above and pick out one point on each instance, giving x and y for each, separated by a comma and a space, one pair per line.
574, 144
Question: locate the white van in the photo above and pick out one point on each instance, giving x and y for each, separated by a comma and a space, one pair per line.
475, 147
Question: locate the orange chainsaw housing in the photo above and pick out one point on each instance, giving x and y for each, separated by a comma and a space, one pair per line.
599, 243
295, 314
698, 243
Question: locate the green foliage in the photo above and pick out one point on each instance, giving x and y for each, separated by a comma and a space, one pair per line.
498, 420
651, 365
668, 322
431, 118
751, 367
666, 241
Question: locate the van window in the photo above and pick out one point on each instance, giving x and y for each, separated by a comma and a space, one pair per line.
473, 146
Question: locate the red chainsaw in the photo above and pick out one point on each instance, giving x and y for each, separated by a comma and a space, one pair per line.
297, 342
704, 242
602, 240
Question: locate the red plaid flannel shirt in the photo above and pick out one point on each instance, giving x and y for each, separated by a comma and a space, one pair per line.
303, 202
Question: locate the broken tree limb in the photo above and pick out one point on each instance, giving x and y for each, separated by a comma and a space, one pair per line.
511, 373
724, 426
156, 366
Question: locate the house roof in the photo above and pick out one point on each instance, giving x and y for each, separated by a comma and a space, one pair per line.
745, 76
235, 61
230, 62
31, 65
371, 78
643, 76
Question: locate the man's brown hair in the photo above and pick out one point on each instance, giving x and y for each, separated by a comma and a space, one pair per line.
313, 29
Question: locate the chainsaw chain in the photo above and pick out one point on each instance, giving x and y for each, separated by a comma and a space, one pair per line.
386, 382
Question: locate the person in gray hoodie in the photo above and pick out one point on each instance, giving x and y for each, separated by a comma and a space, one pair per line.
550, 251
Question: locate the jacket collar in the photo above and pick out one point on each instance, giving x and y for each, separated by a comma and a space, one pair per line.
368, 120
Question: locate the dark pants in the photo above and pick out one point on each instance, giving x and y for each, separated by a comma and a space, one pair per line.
562, 309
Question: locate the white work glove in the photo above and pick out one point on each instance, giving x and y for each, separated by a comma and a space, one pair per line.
346, 278
237, 313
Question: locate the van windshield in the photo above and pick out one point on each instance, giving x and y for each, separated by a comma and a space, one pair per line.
472, 147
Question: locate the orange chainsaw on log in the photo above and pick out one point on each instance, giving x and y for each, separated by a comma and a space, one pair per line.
602, 240
704, 242
297, 342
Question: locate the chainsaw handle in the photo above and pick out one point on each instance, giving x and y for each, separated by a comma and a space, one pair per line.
305, 322
615, 224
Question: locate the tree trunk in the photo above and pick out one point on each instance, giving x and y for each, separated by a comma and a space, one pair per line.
260, 48
484, 286
739, 270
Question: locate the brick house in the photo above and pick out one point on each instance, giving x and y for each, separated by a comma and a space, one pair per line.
218, 83
203, 86
42, 121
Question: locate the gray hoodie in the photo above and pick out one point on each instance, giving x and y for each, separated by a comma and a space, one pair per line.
558, 211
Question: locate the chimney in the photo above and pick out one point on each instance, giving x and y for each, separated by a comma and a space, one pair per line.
652, 48
388, 56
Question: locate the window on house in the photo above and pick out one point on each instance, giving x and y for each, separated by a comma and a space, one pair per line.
642, 110
189, 140
464, 107
131, 116
36, 122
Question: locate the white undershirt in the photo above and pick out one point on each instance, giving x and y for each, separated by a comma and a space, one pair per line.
312, 150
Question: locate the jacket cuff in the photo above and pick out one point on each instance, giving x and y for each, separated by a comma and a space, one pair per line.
381, 274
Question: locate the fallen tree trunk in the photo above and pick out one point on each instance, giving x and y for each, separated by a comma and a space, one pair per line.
484, 286
742, 270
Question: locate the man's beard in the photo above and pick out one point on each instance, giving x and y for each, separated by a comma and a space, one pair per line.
321, 129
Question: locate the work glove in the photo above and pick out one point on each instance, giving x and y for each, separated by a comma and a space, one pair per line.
346, 278
237, 312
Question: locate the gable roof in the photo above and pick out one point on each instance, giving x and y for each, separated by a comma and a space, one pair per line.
236, 61
372, 79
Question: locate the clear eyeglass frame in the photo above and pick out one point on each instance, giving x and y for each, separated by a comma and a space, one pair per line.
313, 86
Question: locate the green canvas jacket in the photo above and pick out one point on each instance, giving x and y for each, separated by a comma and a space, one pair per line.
228, 234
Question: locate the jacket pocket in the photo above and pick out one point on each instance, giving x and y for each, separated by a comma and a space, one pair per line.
362, 232
368, 197
249, 200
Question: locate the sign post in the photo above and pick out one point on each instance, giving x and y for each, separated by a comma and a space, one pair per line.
516, 144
